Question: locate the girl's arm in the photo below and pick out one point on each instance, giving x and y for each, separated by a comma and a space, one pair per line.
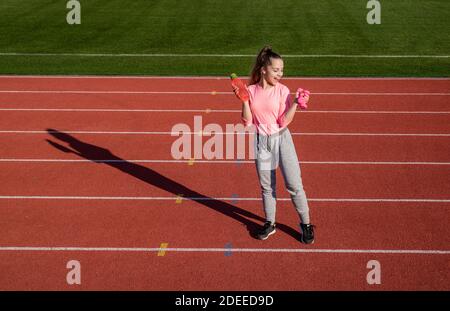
246, 114
289, 114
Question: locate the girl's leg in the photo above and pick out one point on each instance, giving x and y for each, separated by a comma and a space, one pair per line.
267, 176
267, 180
292, 176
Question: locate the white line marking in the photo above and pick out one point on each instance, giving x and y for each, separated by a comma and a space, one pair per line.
375, 112
370, 134
221, 250
218, 55
37, 197
115, 92
213, 110
119, 110
224, 133
211, 77
382, 94
213, 162
211, 93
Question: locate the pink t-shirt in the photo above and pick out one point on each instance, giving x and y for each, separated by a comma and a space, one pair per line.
268, 108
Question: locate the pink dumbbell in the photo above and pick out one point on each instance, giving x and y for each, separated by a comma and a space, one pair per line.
302, 97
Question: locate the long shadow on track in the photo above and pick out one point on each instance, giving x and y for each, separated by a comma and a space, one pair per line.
99, 155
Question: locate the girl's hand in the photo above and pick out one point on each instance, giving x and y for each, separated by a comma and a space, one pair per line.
302, 98
242, 96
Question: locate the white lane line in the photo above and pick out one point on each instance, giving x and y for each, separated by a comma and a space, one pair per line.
215, 162
120, 110
221, 250
116, 92
38, 197
372, 134
219, 55
213, 77
375, 112
213, 110
224, 133
215, 93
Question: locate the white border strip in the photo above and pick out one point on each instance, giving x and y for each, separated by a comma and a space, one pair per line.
212, 92
218, 55
233, 199
228, 250
224, 133
213, 110
212, 162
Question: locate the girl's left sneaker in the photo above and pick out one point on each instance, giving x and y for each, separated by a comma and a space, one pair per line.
307, 233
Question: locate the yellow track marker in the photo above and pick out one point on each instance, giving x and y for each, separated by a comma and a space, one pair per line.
179, 199
208, 110
213, 93
191, 161
162, 251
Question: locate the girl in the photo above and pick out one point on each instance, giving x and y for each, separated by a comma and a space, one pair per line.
271, 110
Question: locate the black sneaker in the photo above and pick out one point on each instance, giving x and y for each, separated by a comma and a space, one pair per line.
267, 230
307, 233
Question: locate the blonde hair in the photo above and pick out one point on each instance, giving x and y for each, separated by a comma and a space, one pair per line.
263, 59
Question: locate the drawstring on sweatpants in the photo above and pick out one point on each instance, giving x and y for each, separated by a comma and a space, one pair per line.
269, 139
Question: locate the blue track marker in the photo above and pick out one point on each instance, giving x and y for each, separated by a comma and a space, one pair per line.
234, 198
228, 248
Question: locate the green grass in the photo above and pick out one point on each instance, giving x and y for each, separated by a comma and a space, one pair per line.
408, 27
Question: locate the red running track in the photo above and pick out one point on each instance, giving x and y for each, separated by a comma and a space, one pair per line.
373, 197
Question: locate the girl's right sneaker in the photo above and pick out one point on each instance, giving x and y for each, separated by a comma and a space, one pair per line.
267, 230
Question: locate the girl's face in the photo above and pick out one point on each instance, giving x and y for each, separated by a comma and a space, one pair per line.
274, 72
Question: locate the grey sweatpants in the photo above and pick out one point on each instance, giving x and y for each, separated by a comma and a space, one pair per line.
273, 151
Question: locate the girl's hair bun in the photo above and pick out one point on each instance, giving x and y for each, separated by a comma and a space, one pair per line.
263, 59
